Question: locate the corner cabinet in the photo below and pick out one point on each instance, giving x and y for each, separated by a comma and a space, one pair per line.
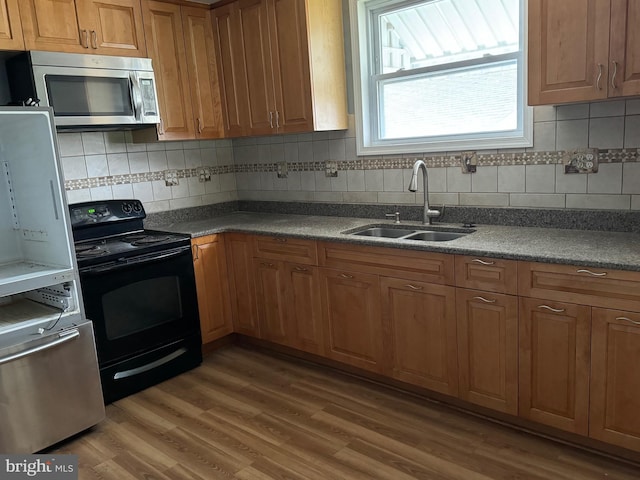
214, 306
106, 27
180, 42
281, 66
10, 26
582, 50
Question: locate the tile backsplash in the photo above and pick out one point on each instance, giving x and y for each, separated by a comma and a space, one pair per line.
108, 165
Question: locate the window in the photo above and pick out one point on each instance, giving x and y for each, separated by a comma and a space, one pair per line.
439, 75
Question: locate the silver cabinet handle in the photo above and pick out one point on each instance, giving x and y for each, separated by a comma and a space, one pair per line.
277, 119
628, 320
413, 287
482, 262
600, 67
602, 274
200, 126
266, 264
271, 119
196, 249
94, 40
161, 132
63, 337
482, 299
85, 34
554, 310
281, 240
615, 74
344, 275
300, 269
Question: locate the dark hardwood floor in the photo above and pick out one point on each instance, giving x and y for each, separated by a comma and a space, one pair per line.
247, 415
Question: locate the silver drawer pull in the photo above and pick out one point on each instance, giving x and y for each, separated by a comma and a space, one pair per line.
413, 287
482, 299
628, 320
482, 262
554, 310
300, 269
281, 240
603, 274
344, 275
267, 264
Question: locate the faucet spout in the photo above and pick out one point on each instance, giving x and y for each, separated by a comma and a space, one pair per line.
427, 214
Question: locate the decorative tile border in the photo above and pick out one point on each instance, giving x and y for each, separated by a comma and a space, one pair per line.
362, 163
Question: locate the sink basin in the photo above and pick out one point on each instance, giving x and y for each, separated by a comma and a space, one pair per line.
425, 234
434, 236
384, 232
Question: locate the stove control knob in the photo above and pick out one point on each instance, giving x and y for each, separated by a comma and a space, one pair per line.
137, 207
127, 208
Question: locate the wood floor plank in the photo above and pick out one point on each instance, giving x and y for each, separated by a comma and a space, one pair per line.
246, 415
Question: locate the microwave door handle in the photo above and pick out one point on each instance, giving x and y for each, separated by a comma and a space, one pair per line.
136, 95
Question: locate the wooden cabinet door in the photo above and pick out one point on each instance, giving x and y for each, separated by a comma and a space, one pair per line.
568, 50
488, 349
115, 27
256, 54
203, 74
209, 260
231, 69
351, 312
624, 54
615, 381
10, 26
554, 364
241, 284
270, 281
165, 42
290, 58
304, 312
52, 25
419, 321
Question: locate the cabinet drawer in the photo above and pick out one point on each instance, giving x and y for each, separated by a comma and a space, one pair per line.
489, 274
295, 250
423, 266
581, 285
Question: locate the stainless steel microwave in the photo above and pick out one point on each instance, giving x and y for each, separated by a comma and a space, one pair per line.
86, 91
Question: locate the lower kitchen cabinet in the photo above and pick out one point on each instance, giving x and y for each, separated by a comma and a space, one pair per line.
554, 364
209, 260
271, 305
304, 307
488, 349
241, 284
419, 321
352, 322
615, 381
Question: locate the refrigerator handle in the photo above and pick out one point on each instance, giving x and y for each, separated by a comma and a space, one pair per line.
63, 337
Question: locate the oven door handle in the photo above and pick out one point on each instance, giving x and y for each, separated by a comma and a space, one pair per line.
129, 262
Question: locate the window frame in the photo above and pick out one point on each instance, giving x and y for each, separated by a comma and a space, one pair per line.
365, 93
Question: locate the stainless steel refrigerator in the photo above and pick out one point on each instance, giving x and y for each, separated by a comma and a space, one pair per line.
49, 381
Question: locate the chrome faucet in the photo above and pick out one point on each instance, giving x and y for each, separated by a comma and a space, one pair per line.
427, 214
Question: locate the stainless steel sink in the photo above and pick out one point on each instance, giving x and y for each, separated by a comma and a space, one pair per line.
384, 232
435, 236
426, 234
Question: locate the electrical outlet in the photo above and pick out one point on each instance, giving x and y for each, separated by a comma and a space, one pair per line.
331, 168
581, 161
469, 162
171, 178
283, 171
204, 175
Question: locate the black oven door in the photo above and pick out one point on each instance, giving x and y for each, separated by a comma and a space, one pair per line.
141, 303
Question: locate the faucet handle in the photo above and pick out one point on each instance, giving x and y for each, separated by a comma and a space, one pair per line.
392, 215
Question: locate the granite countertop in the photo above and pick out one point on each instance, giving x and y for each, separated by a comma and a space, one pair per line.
577, 247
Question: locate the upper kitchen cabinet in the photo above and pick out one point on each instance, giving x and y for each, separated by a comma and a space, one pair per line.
10, 26
106, 27
180, 42
582, 50
281, 65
